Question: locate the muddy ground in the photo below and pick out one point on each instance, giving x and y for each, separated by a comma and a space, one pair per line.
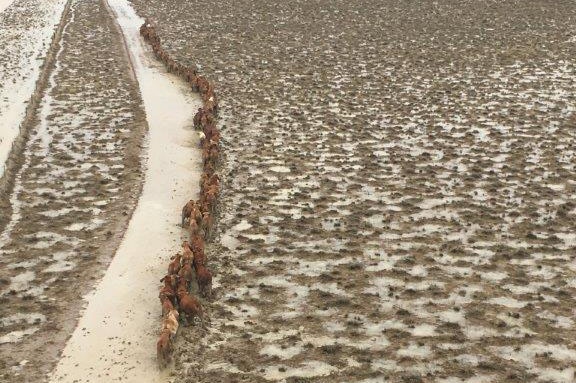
26, 30
74, 194
399, 189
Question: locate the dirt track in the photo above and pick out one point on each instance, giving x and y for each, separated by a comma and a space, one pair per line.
399, 184
74, 194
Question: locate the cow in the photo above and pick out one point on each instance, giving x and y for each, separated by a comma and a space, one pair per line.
164, 349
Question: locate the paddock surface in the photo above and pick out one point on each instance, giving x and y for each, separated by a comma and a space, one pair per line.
398, 196
397, 205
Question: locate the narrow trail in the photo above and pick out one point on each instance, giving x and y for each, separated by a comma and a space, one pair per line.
115, 338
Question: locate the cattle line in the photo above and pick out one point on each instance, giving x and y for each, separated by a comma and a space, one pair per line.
198, 213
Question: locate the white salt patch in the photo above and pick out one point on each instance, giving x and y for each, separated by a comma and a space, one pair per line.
56, 213
229, 241
383, 365
17, 336
452, 316
415, 351
334, 326
21, 281
556, 187
418, 271
423, 285
23, 264
478, 332
528, 289
479, 194
243, 225
31, 318
352, 362
493, 276
376, 221
326, 313
378, 343
528, 352
469, 359
60, 266
424, 330
387, 264
568, 238
80, 226
560, 321
280, 169
567, 375
377, 328
508, 302
5, 4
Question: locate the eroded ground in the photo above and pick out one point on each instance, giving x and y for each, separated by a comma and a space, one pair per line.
73, 195
399, 199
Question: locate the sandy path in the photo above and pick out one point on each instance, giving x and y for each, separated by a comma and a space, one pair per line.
115, 339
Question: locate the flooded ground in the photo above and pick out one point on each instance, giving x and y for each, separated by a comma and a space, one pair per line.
399, 183
74, 193
26, 29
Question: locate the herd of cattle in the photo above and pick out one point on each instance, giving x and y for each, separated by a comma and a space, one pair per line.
177, 300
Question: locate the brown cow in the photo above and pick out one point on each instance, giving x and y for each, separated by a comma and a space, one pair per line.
186, 272
187, 210
197, 213
164, 349
193, 227
190, 306
197, 245
167, 305
203, 85
170, 322
188, 255
198, 118
209, 180
200, 259
183, 285
204, 278
174, 266
210, 152
168, 290
207, 224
